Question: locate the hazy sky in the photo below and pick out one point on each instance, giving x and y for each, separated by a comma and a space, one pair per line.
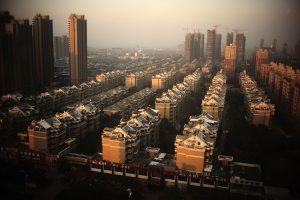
162, 23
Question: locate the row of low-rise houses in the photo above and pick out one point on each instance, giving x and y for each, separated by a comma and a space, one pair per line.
194, 148
143, 65
171, 103
122, 143
56, 99
115, 78
18, 117
17, 112
157, 77
259, 107
131, 77
164, 80
138, 80
193, 80
111, 79
213, 102
107, 98
56, 133
283, 85
131, 103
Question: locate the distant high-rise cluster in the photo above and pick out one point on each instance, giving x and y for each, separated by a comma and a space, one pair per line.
234, 53
271, 47
284, 53
240, 41
78, 48
188, 49
262, 57
218, 45
194, 46
262, 43
266, 50
210, 49
229, 39
61, 47
213, 46
230, 60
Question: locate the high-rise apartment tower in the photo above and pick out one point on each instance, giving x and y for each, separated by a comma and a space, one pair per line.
43, 50
78, 48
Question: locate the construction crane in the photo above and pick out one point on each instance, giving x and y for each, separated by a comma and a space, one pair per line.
216, 26
194, 30
236, 31
186, 29
221, 28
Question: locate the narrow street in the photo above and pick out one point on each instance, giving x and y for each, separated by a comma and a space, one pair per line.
233, 119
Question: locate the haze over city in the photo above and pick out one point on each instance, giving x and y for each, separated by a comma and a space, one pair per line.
150, 99
156, 23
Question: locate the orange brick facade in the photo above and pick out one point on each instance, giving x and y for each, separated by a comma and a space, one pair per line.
283, 84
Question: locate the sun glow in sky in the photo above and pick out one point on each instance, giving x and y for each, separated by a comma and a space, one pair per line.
163, 23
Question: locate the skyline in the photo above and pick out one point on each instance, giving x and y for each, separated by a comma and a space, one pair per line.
134, 23
117, 99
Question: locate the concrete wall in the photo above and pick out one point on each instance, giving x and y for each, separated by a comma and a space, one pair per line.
190, 159
113, 150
